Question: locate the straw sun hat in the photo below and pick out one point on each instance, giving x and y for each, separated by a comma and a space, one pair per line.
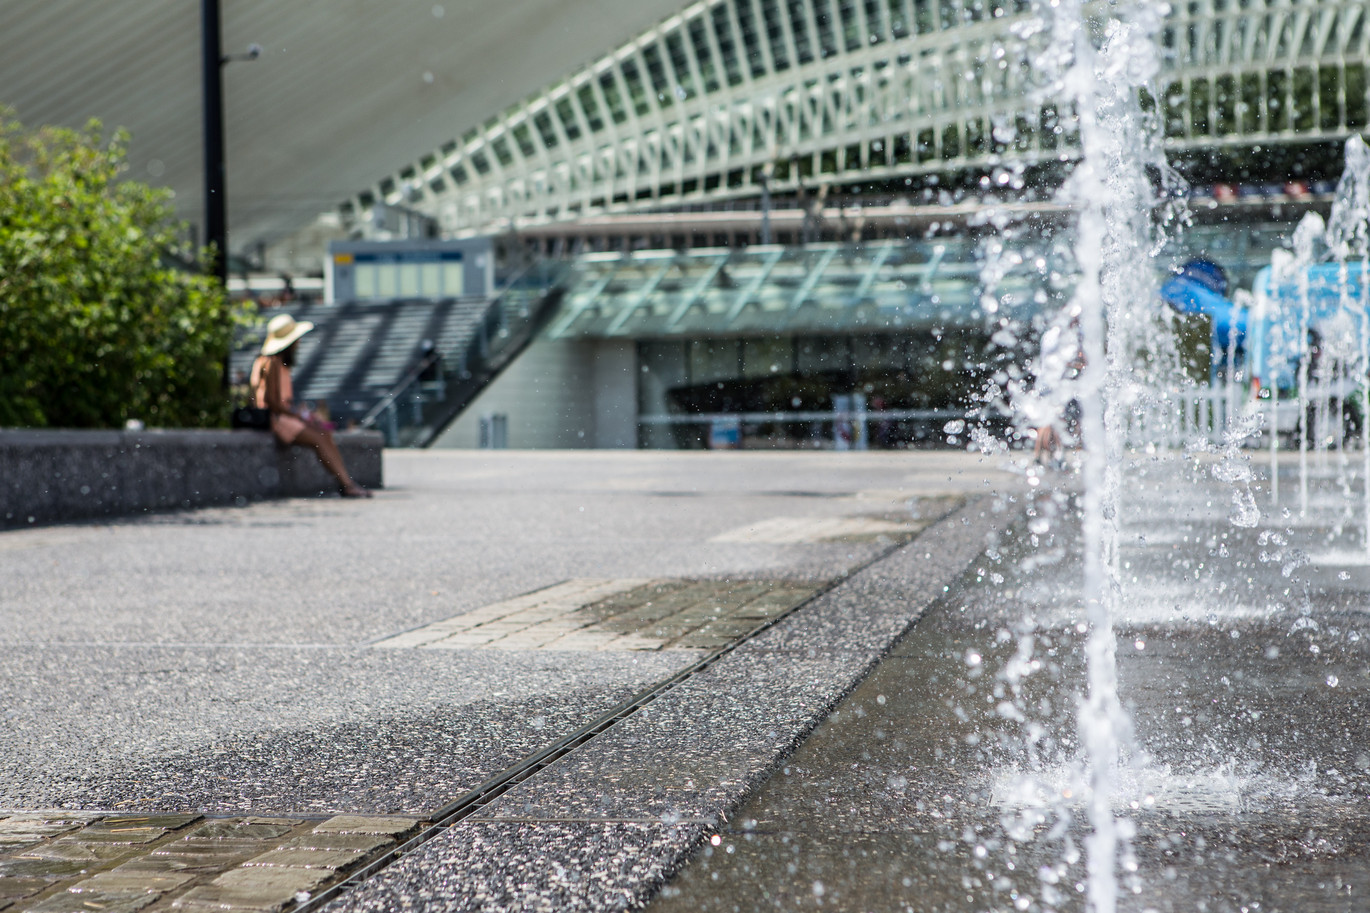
282, 331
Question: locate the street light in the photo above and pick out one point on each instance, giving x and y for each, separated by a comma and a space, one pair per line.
213, 60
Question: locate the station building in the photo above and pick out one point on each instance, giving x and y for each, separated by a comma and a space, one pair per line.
780, 213
778, 222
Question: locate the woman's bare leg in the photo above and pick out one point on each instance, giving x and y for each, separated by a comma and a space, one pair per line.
1048, 442
321, 442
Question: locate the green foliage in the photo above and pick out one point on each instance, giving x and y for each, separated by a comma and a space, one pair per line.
97, 323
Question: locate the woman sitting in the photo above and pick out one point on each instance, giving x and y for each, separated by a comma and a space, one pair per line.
272, 390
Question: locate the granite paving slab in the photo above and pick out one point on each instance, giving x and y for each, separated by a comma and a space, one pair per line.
323, 732
604, 826
221, 662
540, 865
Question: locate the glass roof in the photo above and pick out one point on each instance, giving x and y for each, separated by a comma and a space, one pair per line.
873, 287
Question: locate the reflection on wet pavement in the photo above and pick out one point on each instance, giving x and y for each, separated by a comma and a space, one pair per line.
949, 780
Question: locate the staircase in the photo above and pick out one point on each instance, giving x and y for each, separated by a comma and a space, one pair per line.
437, 388
408, 367
358, 352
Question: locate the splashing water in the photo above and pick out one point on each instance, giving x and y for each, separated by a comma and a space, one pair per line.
1098, 65
1110, 189
1348, 236
1310, 229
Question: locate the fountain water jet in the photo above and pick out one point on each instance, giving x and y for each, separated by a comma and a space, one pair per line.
1045, 779
1348, 235
1309, 230
1114, 198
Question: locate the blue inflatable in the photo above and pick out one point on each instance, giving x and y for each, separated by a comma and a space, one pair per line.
1329, 289
1200, 287
1273, 348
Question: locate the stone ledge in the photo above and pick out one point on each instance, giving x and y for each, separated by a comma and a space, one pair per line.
54, 476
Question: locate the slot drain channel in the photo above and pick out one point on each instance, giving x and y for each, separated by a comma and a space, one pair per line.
491, 789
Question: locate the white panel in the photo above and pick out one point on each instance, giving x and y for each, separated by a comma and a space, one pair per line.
386, 284
548, 394
365, 275
453, 279
430, 276
615, 384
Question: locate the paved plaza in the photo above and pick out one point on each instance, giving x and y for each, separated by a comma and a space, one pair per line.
274, 667
697, 681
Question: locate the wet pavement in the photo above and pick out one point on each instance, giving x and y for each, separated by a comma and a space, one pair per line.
949, 780
804, 681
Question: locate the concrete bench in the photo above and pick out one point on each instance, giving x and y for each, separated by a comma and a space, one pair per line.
53, 476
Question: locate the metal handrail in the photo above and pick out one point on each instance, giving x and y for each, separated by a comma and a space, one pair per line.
412, 376
409, 379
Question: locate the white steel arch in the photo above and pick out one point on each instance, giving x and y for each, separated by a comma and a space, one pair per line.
699, 108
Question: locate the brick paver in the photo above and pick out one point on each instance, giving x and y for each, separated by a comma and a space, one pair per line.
622, 614
64, 863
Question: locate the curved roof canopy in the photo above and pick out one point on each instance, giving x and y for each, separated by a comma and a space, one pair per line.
343, 90
711, 102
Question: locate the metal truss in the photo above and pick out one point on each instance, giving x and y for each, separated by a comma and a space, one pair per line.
731, 94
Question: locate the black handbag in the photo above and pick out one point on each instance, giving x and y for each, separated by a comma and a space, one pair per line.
253, 418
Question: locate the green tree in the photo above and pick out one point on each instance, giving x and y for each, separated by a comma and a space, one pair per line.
98, 322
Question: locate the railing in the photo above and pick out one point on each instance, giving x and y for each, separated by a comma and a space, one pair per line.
1179, 419
829, 429
442, 384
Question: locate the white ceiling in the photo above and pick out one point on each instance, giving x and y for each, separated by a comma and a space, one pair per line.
345, 92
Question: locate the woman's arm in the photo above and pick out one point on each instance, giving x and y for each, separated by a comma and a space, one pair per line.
271, 377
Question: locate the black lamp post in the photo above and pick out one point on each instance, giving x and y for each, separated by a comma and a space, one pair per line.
216, 213
213, 60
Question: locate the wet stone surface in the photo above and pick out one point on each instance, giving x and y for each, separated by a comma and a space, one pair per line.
948, 781
182, 862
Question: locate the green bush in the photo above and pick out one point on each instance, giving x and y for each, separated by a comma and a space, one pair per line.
98, 322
